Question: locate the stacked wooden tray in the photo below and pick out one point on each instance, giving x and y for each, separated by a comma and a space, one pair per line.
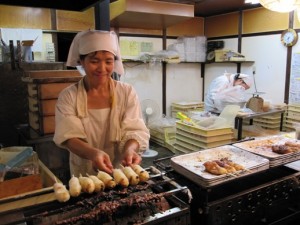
44, 88
192, 139
292, 117
191, 165
263, 147
186, 107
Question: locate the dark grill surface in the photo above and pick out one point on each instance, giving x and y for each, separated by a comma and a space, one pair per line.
268, 197
154, 202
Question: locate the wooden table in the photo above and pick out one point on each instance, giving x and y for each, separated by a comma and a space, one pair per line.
239, 119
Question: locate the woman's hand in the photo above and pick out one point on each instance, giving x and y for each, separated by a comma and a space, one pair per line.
101, 161
130, 155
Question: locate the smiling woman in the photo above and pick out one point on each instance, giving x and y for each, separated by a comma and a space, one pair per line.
99, 120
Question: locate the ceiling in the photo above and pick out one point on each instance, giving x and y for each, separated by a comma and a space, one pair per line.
73, 5
203, 8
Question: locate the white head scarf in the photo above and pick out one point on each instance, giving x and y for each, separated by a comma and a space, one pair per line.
89, 41
247, 79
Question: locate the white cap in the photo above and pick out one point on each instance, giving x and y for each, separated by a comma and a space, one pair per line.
89, 41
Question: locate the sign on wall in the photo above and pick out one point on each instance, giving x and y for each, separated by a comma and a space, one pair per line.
294, 96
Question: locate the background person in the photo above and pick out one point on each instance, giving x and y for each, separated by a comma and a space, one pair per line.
226, 88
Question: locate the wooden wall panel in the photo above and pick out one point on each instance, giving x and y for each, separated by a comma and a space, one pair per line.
75, 21
297, 20
137, 31
191, 27
223, 25
25, 17
264, 20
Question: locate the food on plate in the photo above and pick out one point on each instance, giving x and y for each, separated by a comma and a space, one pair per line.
61, 193
294, 144
287, 147
213, 168
230, 169
222, 166
141, 172
233, 164
87, 184
107, 179
281, 149
74, 186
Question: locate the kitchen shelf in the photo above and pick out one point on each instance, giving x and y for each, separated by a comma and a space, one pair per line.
237, 62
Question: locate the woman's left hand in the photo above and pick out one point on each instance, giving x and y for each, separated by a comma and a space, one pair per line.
130, 155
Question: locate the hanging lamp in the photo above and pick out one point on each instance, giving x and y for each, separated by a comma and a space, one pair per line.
282, 6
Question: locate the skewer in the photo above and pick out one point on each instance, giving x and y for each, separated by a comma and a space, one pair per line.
231, 174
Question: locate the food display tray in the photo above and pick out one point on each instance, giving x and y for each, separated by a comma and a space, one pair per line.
191, 165
263, 147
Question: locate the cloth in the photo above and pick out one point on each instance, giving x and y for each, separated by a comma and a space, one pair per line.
73, 119
222, 89
95, 40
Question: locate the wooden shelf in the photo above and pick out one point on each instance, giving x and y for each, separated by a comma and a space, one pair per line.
237, 62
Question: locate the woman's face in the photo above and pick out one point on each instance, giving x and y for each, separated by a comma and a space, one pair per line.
98, 65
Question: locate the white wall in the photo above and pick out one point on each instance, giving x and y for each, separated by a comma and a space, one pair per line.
269, 56
183, 80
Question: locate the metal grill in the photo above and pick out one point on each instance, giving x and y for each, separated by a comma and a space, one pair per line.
268, 197
169, 209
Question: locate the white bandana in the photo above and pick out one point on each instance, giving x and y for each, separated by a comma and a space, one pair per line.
89, 41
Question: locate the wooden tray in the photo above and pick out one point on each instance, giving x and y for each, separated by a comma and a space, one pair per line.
27, 198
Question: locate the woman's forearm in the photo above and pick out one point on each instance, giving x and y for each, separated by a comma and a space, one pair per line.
81, 148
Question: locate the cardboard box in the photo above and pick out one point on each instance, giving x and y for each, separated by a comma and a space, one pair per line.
27, 42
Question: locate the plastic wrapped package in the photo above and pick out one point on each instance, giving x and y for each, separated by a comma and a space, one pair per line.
26, 164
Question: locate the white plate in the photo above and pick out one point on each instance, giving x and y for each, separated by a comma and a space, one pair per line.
263, 147
191, 165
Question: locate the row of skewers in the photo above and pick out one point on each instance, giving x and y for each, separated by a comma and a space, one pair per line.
125, 176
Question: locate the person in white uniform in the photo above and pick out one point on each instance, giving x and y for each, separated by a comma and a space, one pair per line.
226, 88
99, 119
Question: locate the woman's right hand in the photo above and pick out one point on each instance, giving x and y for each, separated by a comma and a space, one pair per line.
101, 161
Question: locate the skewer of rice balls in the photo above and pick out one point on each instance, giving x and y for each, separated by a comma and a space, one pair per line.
125, 176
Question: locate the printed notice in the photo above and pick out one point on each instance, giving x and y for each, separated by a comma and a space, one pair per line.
294, 96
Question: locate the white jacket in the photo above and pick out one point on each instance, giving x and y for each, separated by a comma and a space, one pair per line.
72, 121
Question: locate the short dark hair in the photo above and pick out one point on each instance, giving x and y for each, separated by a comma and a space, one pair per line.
237, 76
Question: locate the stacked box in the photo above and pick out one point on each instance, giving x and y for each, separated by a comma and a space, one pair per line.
191, 138
44, 88
271, 122
186, 107
164, 136
292, 116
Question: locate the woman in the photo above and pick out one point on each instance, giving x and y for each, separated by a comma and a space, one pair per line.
226, 88
99, 119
